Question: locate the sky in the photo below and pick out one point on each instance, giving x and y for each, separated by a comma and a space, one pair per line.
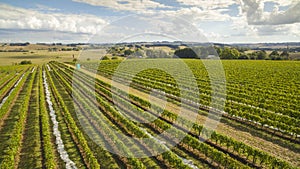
102, 21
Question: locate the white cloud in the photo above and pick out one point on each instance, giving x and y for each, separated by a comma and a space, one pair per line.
198, 10
209, 4
255, 24
40, 7
193, 15
19, 18
256, 15
251, 23
154, 27
34, 36
258, 33
125, 5
196, 14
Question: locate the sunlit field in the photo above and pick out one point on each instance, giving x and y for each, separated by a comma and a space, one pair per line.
40, 126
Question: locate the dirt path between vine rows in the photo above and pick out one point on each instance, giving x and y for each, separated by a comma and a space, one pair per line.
222, 128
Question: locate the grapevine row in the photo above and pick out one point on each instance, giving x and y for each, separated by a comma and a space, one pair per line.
224, 140
89, 157
11, 153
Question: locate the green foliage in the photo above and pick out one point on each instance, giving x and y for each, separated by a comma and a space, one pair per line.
5, 107
138, 53
92, 161
241, 74
285, 55
274, 55
156, 54
128, 52
185, 53
48, 152
70, 49
105, 58
9, 159
261, 55
244, 85
229, 53
25, 62
244, 57
254, 156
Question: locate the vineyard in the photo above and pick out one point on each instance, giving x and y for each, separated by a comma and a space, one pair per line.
45, 123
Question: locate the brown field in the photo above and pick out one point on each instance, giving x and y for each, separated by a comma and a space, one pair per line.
36, 56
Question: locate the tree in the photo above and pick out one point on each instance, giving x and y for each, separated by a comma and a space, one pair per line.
230, 53
244, 57
105, 58
274, 55
128, 52
218, 50
185, 53
285, 54
261, 55
25, 62
156, 53
242, 49
139, 53
253, 56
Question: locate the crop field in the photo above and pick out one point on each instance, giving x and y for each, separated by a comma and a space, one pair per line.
46, 123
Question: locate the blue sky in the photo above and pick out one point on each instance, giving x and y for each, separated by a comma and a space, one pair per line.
224, 21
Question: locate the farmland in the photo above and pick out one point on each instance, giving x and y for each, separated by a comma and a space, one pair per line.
45, 123
37, 54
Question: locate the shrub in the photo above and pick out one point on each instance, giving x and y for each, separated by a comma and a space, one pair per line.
25, 62
105, 58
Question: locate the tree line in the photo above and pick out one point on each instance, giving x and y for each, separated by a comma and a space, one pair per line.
230, 53
203, 52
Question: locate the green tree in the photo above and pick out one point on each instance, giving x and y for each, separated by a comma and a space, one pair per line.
274, 55
25, 62
253, 56
285, 54
139, 53
105, 58
261, 55
218, 50
128, 52
230, 53
244, 57
185, 53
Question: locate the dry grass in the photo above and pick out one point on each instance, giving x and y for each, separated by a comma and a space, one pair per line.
32, 47
36, 56
92, 54
295, 56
